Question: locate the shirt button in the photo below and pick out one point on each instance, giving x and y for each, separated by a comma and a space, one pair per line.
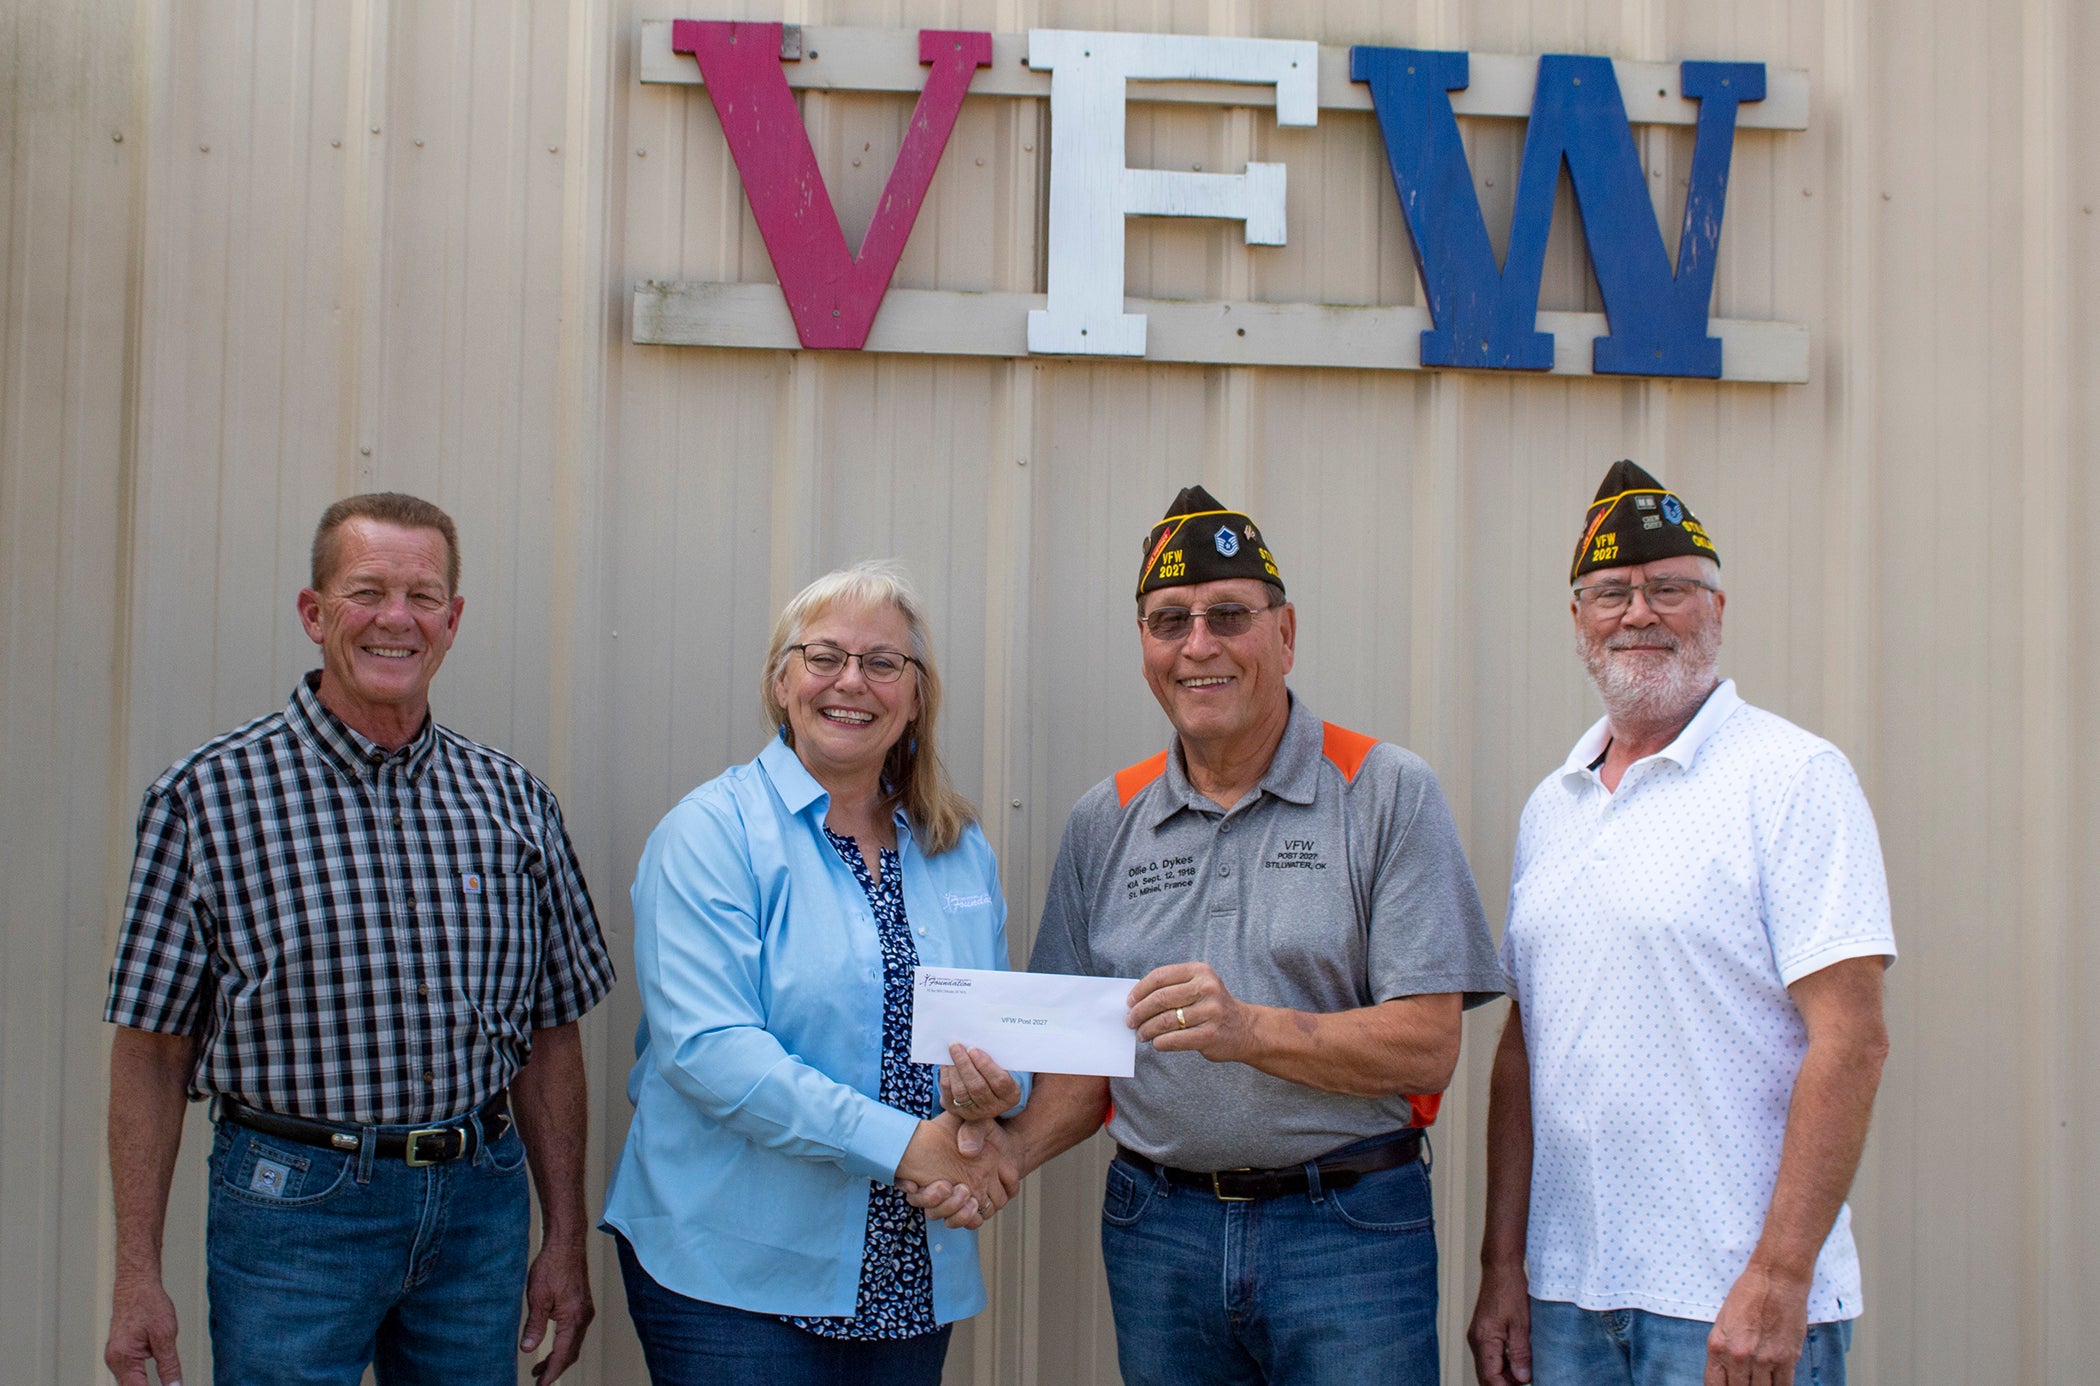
429, 1076
397, 819
1224, 871
423, 990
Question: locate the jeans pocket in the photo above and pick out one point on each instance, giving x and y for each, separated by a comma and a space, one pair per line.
1126, 1195
1388, 1200
502, 1156
250, 1167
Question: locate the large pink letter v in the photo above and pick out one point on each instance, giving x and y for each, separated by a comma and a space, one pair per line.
832, 295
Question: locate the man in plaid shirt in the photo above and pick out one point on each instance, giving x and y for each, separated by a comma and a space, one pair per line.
368, 940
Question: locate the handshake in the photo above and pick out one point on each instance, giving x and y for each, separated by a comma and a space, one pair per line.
960, 1166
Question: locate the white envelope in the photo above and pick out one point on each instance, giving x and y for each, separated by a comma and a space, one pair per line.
1029, 1022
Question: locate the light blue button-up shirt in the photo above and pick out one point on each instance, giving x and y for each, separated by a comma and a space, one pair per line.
744, 1180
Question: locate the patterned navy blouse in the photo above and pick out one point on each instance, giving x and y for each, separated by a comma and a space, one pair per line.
896, 1274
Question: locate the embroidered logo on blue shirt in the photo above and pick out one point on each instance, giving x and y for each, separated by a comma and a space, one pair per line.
470, 882
965, 902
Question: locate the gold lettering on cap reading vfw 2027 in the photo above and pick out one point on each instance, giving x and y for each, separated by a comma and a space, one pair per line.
1170, 565
1606, 547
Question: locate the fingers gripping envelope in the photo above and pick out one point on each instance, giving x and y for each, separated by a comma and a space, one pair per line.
1027, 1021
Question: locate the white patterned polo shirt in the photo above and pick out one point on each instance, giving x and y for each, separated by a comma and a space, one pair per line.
1652, 934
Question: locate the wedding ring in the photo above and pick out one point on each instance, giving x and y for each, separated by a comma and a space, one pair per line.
1182, 1016
965, 1101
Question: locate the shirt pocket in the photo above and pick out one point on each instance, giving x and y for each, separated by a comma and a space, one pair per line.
493, 939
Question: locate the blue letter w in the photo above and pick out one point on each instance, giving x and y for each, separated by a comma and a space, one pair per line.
1488, 317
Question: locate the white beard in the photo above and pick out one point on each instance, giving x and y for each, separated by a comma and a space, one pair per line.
1646, 691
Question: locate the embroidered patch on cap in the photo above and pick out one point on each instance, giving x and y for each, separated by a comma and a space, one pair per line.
1228, 542
1672, 510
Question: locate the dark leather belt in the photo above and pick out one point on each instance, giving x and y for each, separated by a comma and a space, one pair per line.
1247, 1185
426, 1145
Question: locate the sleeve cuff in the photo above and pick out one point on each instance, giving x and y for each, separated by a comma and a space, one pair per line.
878, 1142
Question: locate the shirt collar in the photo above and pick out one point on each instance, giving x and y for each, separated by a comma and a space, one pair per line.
352, 752
1293, 773
1717, 708
797, 788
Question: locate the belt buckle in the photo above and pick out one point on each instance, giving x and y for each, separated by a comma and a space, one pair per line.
1218, 1192
412, 1156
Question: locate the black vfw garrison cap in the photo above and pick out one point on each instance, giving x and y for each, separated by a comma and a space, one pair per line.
1200, 540
1634, 520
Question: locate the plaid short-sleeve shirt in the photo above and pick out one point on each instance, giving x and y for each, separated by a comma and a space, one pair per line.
354, 935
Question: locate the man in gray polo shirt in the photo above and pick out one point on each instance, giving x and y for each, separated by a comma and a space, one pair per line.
1294, 898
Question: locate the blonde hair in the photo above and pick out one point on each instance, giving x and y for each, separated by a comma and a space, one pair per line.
912, 774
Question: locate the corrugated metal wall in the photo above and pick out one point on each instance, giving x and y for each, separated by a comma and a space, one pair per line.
255, 255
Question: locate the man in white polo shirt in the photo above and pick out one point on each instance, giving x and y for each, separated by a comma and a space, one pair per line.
1698, 925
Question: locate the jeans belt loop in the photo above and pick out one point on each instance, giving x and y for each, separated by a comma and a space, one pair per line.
367, 1153
1313, 1192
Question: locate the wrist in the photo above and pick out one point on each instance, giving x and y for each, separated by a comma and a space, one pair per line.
1788, 1274
1501, 1263
563, 1234
1262, 1030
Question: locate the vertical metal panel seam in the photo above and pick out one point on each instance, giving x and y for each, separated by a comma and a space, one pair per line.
364, 241
2050, 1300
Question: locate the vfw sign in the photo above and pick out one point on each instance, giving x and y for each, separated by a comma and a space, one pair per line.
1478, 312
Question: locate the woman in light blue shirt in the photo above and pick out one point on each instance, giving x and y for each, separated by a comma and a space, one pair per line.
779, 910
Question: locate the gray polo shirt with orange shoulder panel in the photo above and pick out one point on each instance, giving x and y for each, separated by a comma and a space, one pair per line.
1339, 883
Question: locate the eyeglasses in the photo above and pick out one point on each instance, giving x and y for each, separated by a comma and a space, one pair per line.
876, 666
1224, 620
1662, 594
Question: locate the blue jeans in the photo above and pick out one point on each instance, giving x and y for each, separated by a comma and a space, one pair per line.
690, 1342
1331, 1285
1574, 1346
320, 1262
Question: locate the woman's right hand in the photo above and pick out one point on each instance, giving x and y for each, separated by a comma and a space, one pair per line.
962, 1189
